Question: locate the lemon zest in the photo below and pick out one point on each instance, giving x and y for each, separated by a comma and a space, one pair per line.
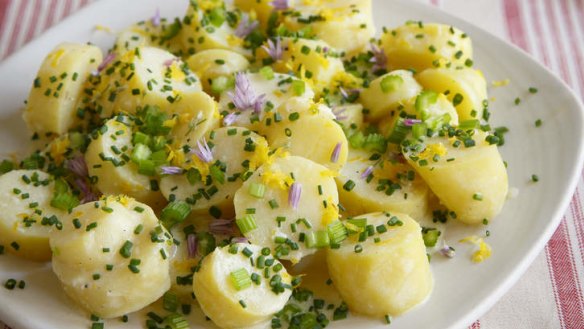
484, 250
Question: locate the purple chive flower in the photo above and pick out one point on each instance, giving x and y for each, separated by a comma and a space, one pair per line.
203, 151
325, 49
379, 58
343, 92
78, 166
338, 113
86, 192
244, 97
367, 172
106, 61
245, 26
192, 245
168, 62
336, 153
280, 4
222, 226
447, 251
411, 122
294, 195
171, 170
274, 49
239, 239
156, 18
229, 119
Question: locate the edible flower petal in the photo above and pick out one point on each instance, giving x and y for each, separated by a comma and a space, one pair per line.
294, 195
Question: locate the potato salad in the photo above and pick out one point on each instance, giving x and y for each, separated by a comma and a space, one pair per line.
205, 163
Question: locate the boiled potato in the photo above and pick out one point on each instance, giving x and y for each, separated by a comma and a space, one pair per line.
236, 150
26, 214
386, 93
275, 217
262, 9
113, 258
197, 114
308, 130
148, 34
466, 88
471, 181
420, 46
387, 186
144, 76
108, 160
346, 25
273, 89
52, 102
228, 295
350, 116
387, 277
213, 63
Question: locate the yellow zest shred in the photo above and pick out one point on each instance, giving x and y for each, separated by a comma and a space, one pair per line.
260, 155
484, 250
277, 179
103, 28
58, 149
170, 123
433, 149
329, 173
234, 41
500, 83
54, 57
331, 212
176, 73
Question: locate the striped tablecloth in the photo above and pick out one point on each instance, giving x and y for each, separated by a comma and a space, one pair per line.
549, 295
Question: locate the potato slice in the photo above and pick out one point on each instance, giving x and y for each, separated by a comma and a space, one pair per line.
51, 105
387, 277
26, 214
466, 88
197, 114
239, 151
226, 292
386, 93
420, 46
471, 181
387, 186
113, 258
213, 63
273, 214
108, 161
146, 34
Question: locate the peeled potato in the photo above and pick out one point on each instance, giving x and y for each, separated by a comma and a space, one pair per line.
113, 258
384, 278
26, 214
471, 181
52, 102
253, 303
197, 115
317, 204
212, 63
466, 88
419, 46
392, 186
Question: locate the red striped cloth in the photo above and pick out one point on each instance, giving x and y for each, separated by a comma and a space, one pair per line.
550, 295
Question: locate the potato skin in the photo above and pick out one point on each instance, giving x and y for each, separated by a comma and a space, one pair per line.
385, 278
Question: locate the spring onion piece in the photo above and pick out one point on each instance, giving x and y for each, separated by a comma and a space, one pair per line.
174, 213
62, 198
257, 190
246, 224
337, 232
294, 195
222, 83
206, 243
419, 130
170, 301
267, 72
336, 153
141, 152
390, 83
469, 124
399, 132
424, 100
240, 279
356, 225
317, 239
298, 87
430, 236
176, 321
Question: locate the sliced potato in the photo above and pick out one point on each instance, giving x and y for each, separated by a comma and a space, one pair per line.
51, 105
387, 186
387, 277
420, 46
197, 114
466, 89
238, 151
108, 160
26, 214
213, 63
147, 34
350, 116
471, 181
113, 258
273, 214
226, 293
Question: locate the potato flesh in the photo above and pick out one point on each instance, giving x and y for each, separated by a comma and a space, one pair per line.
51, 105
80, 260
21, 230
205, 65
310, 206
386, 278
219, 298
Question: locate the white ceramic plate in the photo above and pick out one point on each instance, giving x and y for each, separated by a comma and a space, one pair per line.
463, 291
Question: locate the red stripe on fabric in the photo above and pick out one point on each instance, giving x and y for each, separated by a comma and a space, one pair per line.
514, 23
17, 27
34, 21
539, 31
67, 10
476, 325
51, 17
435, 2
558, 43
564, 280
576, 52
579, 222
4, 5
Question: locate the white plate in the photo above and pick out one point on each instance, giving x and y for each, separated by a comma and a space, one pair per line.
463, 291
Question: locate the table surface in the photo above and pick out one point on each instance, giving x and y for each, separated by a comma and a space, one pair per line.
549, 295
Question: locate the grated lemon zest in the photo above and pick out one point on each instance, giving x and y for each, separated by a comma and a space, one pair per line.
484, 250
